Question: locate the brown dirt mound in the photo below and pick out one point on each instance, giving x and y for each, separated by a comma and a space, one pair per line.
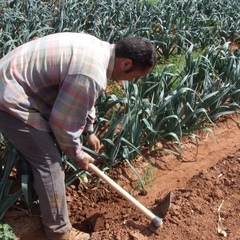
205, 186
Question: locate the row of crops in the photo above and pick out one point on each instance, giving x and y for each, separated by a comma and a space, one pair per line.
172, 25
171, 102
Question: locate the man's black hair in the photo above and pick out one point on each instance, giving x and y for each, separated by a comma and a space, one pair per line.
140, 50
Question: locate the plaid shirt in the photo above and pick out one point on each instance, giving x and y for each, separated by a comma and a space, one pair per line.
51, 84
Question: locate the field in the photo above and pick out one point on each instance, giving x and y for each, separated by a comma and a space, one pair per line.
200, 183
175, 130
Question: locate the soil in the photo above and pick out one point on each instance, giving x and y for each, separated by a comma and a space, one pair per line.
204, 185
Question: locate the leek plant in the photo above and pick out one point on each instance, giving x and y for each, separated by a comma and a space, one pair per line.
9, 191
6, 232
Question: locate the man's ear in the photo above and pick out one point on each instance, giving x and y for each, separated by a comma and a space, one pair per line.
126, 64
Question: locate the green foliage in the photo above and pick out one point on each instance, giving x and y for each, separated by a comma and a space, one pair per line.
9, 190
170, 105
6, 232
172, 25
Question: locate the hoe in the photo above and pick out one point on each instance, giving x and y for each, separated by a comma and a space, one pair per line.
157, 221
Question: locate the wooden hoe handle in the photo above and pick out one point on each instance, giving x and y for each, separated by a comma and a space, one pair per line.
155, 219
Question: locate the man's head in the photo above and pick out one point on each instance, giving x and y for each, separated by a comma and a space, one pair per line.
135, 57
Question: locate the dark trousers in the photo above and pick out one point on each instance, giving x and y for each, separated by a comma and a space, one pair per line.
39, 150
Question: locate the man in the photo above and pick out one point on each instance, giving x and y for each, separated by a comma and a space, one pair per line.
48, 88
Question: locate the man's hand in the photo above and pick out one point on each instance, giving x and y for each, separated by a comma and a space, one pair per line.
85, 160
93, 142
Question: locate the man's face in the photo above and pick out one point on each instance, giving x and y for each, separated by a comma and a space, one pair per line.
123, 70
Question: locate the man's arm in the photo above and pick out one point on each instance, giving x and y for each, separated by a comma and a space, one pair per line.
68, 118
89, 134
90, 121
